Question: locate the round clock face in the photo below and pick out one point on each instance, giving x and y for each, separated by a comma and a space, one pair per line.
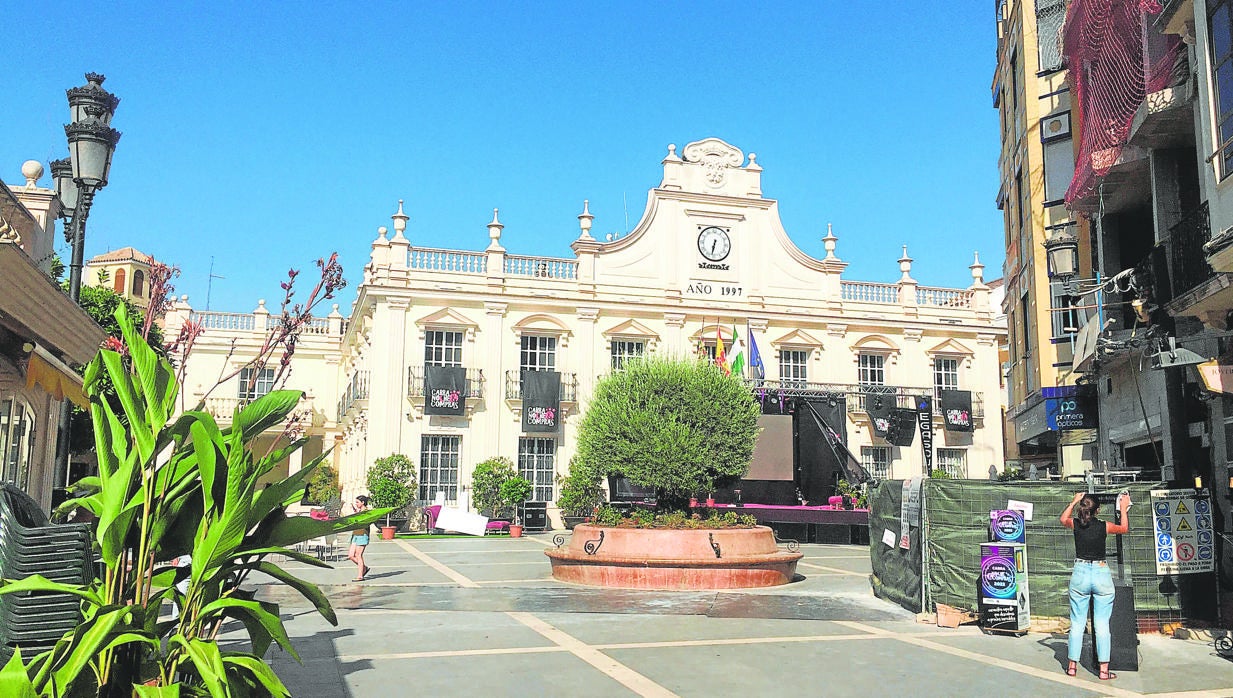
714, 243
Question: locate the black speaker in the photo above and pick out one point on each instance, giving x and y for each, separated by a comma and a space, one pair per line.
1123, 630
902, 427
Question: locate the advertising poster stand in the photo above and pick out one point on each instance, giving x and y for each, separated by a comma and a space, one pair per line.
1003, 594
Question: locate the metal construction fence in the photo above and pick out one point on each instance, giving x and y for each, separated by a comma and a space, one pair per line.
955, 521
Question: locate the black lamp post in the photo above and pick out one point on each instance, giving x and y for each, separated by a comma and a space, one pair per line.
1063, 253
92, 142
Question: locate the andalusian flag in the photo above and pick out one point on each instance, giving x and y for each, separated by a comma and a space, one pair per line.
721, 359
738, 353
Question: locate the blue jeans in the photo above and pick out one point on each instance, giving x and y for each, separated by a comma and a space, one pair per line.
1090, 580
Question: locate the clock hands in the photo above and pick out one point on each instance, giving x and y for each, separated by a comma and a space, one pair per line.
713, 244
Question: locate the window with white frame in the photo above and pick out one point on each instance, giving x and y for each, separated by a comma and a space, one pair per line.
255, 383
1065, 317
954, 461
537, 463
539, 353
793, 367
871, 369
17, 427
945, 376
876, 461
625, 349
439, 457
442, 348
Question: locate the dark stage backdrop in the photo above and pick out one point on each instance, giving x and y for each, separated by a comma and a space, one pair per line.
771, 476
817, 467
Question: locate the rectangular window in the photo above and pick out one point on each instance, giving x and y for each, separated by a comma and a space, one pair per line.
1026, 333
1058, 154
442, 348
537, 463
538, 353
876, 460
945, 376
871, 369
439, 466
1220, 30
793, 369
954, 461
625, 349
1065, 317
254, 383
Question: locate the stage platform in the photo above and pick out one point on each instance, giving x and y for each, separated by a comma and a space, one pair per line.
810, 524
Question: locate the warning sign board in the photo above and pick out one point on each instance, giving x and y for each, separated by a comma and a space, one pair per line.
1183, 520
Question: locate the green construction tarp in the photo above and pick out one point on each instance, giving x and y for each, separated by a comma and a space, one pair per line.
896, 572
956, 521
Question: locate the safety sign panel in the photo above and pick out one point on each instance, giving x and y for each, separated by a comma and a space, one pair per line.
1183, 520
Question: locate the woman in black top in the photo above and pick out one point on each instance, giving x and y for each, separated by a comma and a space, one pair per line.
1091, 579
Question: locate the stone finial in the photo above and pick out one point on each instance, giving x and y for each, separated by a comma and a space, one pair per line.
400, 221
381, 231
905, 266
978, 271
753, 163
672, 156
334, 311
829, 242
584, 220
32, 170
494, 232
261, 307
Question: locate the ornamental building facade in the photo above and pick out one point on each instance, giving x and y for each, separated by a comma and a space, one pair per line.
452, 356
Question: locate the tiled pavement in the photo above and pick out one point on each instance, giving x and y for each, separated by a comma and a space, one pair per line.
482, 616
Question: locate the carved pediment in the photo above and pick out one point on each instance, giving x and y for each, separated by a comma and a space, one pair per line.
446, 317
952, 347
631, 328
715, 156
540, 322
875, 343
797, 338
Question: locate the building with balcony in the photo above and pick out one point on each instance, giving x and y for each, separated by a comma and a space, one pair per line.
1035, 167
43, 335
709, 256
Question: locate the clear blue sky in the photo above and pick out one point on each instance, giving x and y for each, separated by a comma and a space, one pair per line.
269, 134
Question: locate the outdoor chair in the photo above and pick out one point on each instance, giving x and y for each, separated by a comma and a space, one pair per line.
430, 518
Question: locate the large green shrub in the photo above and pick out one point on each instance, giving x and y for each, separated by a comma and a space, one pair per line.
391, 482
486, 481
680, 426
322, 486
581, 491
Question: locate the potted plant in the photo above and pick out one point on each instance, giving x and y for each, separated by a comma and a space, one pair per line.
513, 493
391, 484
580, 494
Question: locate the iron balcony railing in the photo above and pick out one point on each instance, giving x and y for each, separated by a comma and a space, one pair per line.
356, 390
513, 386
1189, 266
417, 385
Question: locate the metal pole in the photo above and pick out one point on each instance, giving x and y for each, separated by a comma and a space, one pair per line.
77, 227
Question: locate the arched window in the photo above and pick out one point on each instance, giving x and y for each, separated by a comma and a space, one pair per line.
120, 279
139, 283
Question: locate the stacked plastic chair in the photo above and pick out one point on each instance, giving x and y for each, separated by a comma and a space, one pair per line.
30, 544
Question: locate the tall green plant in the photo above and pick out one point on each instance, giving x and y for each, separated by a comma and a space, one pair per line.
486, 481
680, 426
391, 482
167, 489
581, 491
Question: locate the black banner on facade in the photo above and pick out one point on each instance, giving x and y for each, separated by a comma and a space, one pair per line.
957, 410
445, 390
541, 401
924, 417
902, 428
879, 407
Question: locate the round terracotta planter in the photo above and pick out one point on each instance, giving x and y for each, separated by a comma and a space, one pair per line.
515, 530
649, 558
387, 532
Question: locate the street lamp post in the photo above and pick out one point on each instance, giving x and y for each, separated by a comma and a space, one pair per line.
92, 142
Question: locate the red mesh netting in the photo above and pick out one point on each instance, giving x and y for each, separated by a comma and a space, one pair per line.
1115, 60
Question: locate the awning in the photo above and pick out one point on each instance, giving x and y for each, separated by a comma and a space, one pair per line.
50, 374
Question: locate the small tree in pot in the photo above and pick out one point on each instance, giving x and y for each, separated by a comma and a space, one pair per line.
513, 493
680, 426
496, 488
391, 483
581, 492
